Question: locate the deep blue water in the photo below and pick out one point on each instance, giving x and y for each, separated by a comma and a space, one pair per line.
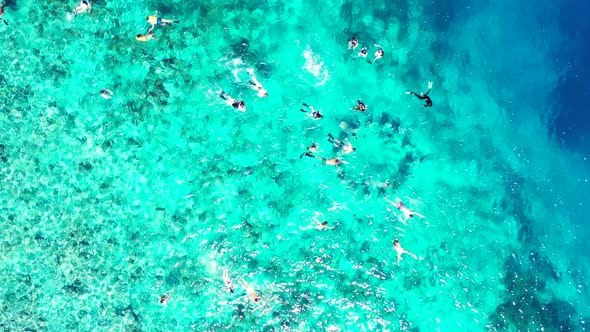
571, 125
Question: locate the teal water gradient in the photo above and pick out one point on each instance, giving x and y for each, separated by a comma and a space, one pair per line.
109, 204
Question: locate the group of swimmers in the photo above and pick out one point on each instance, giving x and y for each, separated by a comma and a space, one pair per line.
363, 53
345, 146
153, 20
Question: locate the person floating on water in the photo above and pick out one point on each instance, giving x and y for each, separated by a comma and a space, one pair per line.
2, 12
407, 212
333, 161
164, 299
423, 96
83, 7
237, 104
360, 106
155, 20
252, 294
400, 251
227, 280
106, 93
256, 85
313, 148
144, 38
363, 52
378, 54
346, 147
314, 114
321, 225
353, 43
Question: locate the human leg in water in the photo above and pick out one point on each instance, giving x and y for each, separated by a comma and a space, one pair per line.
423, 96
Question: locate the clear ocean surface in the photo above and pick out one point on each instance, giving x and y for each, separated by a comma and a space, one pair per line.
122, 214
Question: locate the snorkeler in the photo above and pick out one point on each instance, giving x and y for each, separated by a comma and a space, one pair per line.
106, 93
2, 13
164, 299
252, 294
360, 106
353, 43
346, 147
155, 20
321, 225
256, 85
363, 52
313, 148
407, 212
377, 184
83, 7
423, 96
227, 280
333, 161
316, 115
378, 54
144, 38
237, 104
400, 251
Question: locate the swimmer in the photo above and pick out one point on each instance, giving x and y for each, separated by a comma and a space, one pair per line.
378, 184
346, 147
2, 13
363, 53
237, 104
333, 161
252, 294
378, 54
155, 20
360, 106
144, 38
321, 225
164, 299
256, 85
227, 281
106, 93
400, 251
407, 212
316, 115
83, 7
353, 43
423, 96
313, 148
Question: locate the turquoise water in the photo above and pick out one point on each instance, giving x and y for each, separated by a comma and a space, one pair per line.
109, 204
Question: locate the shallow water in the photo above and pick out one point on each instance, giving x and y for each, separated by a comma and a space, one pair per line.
109, 204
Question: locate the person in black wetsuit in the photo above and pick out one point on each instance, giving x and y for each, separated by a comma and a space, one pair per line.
423, 96
237, 104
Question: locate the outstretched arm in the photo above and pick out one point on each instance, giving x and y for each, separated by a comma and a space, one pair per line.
418, 214
409, 253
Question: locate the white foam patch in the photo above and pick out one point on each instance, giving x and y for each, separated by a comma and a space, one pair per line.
315, 66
